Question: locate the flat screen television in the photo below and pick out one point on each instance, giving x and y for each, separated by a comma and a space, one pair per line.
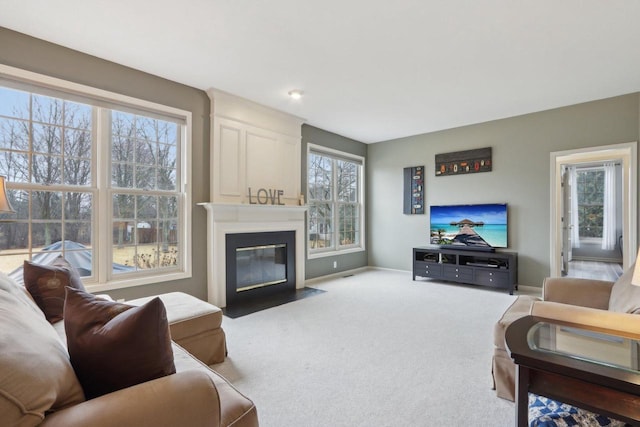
478, 226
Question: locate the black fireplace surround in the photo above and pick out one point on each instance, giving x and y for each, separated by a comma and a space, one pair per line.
259, 264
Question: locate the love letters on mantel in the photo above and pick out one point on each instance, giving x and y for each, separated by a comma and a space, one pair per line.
264, 196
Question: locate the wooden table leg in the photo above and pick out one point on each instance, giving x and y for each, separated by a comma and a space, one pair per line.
522, 396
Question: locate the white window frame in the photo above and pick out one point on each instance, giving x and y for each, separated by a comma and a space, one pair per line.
336, 249
102, 221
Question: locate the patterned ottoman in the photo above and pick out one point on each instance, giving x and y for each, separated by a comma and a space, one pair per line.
544, 412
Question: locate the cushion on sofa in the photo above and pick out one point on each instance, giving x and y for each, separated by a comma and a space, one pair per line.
234, 405
10, 285
520, 307
625, 297
36, 375
114, 345
46, 284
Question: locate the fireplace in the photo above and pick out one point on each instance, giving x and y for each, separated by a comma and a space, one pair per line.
259, 264
228, 220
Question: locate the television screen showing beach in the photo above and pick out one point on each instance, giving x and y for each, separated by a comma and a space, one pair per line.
481, 225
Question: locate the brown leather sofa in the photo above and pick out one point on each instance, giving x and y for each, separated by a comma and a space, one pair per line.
604, 304
38, 385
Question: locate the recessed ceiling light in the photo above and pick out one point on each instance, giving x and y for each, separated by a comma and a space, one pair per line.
296, 93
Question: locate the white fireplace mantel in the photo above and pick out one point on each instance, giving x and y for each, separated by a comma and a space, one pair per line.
226, 218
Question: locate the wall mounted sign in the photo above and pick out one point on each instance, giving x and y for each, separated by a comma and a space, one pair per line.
464, 162
264, 196
413, 190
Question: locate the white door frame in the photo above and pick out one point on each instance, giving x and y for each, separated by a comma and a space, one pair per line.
627, 152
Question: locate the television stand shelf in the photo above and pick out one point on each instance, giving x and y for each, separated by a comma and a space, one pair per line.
493, 269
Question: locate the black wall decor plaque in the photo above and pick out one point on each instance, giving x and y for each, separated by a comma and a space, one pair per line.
413, 190
464, 162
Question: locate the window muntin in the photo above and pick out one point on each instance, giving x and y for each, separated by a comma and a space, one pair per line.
145, 204
145, 231
335, 215
51, 149
144, 152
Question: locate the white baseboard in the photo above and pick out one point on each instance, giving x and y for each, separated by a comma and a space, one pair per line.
336, 275
597, 259
391, 269
522, 289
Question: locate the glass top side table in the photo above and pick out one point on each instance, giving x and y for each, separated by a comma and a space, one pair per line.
583, 344
591, 368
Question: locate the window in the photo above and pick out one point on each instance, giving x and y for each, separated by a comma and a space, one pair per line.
97, 181
590, 191
335, 198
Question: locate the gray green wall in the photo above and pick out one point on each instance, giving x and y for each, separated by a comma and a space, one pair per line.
520, 177
324, 266
21, 51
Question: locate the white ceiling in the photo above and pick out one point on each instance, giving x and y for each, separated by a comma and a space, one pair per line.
370, 70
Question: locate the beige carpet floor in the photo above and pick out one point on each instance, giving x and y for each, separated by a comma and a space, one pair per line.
376, 349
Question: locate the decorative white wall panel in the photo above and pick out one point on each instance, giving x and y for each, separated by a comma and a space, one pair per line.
263, 161
230, 149
255, 147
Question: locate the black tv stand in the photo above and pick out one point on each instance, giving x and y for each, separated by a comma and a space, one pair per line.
493, 269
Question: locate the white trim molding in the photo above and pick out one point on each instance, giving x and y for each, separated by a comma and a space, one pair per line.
101, 100
627, 153
360, 160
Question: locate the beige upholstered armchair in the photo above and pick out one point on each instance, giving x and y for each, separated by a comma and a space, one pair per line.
603, 304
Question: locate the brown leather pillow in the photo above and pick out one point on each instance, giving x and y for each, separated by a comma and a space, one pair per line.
46, 285
114, 345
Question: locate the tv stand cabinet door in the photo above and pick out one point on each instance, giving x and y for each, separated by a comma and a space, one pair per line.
428, 269
497, 279
457, 273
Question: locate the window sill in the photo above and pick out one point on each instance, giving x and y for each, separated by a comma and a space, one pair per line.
316, 255
134, 282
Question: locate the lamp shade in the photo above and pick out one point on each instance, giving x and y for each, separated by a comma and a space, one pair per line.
5, 206
635, 279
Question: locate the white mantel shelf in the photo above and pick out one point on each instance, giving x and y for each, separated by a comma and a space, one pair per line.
228, 218
251, 209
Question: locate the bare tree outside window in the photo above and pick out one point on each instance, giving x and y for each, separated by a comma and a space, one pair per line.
348, 206
590, 202
45, 144
47, 149
144, 160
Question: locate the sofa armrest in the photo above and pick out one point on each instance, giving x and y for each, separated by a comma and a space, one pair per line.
186, 398
602, 319
576, 291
